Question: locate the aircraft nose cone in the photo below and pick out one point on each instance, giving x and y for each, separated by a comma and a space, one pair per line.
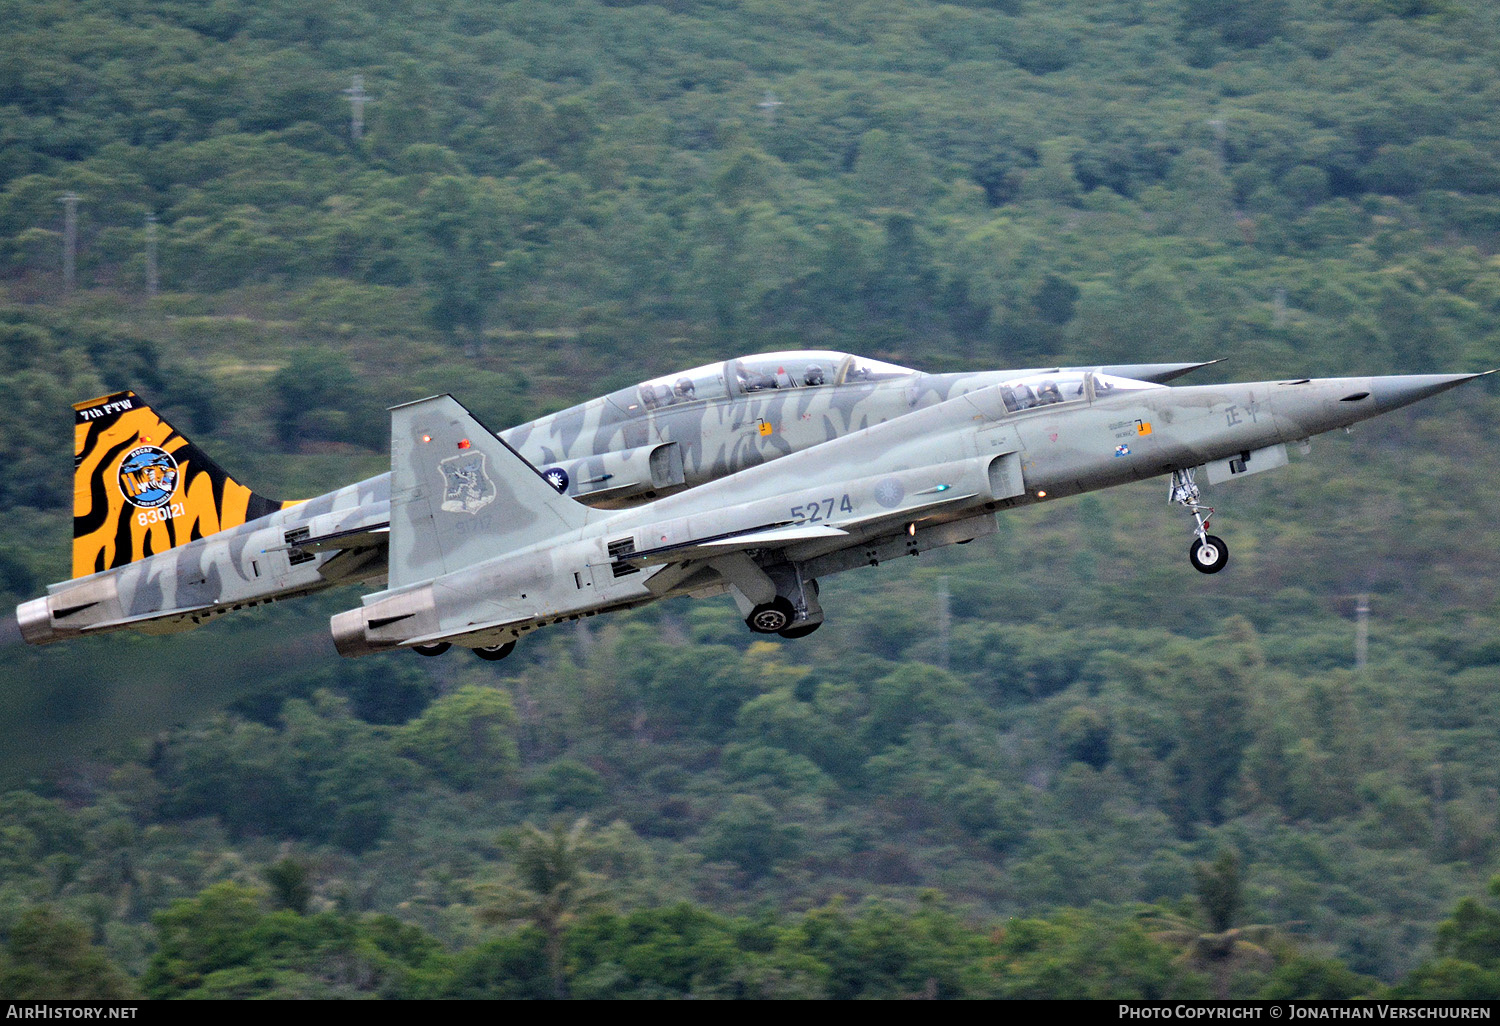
1404, 389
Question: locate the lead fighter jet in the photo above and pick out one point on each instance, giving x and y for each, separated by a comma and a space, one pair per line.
483, 549
164, 539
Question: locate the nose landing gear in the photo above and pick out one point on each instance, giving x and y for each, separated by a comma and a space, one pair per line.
1208, 553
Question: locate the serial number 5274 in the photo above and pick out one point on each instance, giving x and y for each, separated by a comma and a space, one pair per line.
821, 509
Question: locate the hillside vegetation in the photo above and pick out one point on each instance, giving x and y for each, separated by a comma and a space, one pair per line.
1076, 778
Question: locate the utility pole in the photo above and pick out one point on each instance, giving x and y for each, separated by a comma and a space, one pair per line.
768, 107
1221, 138
70, 239
1361, 632
153, 280
945, 622
1278, 306
1439, 813
357, 100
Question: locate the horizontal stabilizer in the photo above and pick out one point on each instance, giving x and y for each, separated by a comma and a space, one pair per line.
336, 541
156, 614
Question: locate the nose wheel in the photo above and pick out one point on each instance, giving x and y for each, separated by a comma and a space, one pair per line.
1208, 553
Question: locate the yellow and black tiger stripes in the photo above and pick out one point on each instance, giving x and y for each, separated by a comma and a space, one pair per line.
140, 487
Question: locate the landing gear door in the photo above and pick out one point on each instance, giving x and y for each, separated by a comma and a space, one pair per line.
1250, 462
1006, 478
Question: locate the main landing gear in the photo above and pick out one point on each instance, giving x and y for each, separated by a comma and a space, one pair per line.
778, 617
494, 652
1208, 553
794, 612
772, 617
491, 652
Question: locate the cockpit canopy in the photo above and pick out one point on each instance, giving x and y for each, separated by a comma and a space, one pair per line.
750, 374
1063, 387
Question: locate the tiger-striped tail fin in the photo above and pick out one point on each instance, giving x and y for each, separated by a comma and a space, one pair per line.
140, 487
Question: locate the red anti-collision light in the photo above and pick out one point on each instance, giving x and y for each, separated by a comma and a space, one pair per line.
463, 444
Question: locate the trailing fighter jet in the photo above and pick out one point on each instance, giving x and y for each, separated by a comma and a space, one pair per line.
164, 539
483, 549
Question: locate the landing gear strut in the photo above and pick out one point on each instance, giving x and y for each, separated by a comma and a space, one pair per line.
1208, 553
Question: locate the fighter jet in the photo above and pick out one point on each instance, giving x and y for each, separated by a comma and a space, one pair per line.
483, 549
164, 539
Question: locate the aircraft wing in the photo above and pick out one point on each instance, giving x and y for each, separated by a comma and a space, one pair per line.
769, 536
901, 517
776, 536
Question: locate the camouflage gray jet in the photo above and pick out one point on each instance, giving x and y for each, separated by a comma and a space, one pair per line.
483, 549
165, 540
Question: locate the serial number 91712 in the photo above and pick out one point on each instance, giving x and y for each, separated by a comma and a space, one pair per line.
821, 509
158, 514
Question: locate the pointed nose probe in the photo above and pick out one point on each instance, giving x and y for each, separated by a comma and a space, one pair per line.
1399, 390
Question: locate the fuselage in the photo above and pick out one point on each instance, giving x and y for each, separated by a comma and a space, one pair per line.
657, 438
933, 477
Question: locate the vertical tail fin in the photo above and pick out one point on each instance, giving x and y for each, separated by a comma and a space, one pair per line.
460, 495
140, 487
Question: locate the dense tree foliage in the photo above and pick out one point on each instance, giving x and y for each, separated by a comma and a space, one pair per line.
1079, 774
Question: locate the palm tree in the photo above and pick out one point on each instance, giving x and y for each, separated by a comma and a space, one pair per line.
551, 886
1222, 949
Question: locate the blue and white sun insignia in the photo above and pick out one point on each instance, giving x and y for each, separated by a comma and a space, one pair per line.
557, 477
890, 492
1122, 450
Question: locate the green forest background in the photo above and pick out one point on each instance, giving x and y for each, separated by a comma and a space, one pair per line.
1098, 775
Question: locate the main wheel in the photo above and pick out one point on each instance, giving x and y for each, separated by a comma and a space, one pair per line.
771, 617
496, 651
800, 632
1209, 555
432, 650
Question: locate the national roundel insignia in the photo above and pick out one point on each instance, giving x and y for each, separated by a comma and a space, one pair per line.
148, 477
890, 492
557, 477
